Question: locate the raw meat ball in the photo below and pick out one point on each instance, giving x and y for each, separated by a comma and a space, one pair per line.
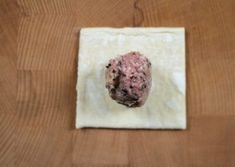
128, 79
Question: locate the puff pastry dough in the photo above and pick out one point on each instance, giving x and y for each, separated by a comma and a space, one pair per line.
165, 107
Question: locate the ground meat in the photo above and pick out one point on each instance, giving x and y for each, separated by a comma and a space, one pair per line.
128, 79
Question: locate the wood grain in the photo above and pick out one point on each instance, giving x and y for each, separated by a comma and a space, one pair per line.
8, 55
38, 60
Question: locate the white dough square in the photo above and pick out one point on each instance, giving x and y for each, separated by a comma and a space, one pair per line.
165, 107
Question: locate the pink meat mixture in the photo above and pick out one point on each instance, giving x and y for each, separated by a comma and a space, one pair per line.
128, 79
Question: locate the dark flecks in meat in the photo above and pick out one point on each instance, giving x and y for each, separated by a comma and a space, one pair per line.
135, 96
124, 92
116, 81
133, 77
143, 86
108, 65
113, 90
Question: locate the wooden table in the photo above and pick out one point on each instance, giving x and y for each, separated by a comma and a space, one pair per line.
38, 60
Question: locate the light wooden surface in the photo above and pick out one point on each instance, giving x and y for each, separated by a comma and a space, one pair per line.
38, 58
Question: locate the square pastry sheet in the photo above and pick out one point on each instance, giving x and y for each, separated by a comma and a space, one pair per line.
165, 107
